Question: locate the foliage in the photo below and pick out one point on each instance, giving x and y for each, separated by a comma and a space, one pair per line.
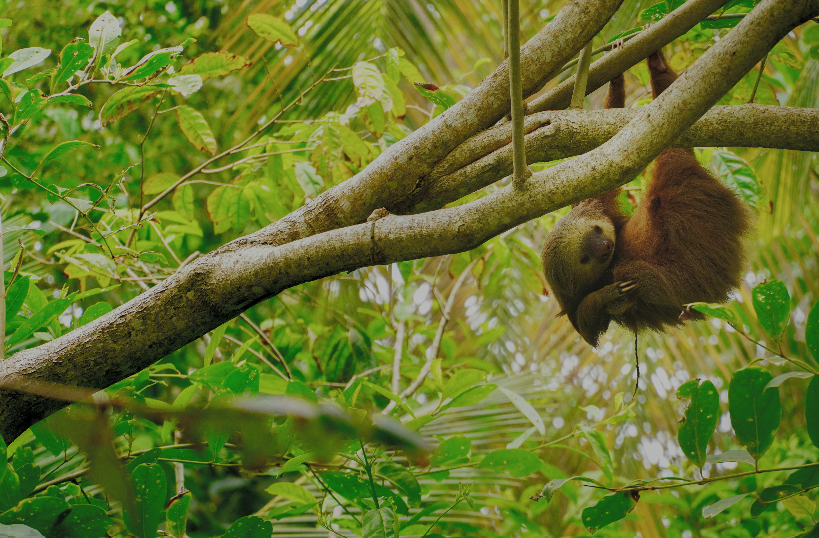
391, 401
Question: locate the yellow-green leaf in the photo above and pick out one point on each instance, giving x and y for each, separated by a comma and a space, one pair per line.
272, 29
196, 129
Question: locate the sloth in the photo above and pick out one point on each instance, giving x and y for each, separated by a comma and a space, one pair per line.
683, 243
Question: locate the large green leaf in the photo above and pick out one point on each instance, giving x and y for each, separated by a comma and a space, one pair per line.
701, 419
772, 304
609, 509
755, 410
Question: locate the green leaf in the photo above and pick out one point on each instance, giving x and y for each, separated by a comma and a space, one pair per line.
718, 311
39, 513
215, 64
812, 332
71, 99
83, 521
16, 296
598, 443
701, 419
196, 129
295, 464
186, 85
739, 456
609, 509
514, 461
291, 491
451, 449
800, 506
527, 410
380, 523
126, 101
160, 182
250, 527
151, 63
176, 519
812, 410
103, 33
462, 381
772, 304
436, 95
719, 23
657, 11
300, 390
471, 396
272, 29
309, 180
402, 479
64, 147
150, 487
737, 174
30, 104
778, 380
40, 318
74, 57
755, 410
183, 202
723, 504
9, 489
215, 339
25, 58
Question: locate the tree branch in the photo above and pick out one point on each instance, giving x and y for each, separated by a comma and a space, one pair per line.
553, 135
633, 52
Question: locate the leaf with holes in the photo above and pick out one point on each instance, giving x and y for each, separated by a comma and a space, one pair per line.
196, 129
772, 304
74, 57
755, 411
701, 418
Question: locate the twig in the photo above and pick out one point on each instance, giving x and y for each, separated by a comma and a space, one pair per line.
520, 170
582, 76
267, 341
396, 362
432, 352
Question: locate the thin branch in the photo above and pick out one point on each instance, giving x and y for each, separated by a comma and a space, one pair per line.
520, 170
432, 351
396, 362
582, 77
273, 349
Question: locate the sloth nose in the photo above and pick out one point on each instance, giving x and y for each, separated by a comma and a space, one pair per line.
600, 247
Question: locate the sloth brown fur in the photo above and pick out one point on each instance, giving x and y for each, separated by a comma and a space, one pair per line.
683, 244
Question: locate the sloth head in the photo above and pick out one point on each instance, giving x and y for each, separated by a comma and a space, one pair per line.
579, 250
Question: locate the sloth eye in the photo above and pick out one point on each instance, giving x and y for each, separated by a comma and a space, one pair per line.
598, 230
584, 259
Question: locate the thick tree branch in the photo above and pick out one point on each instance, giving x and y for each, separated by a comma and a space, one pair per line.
552, 135
394, 173
633, 52
221, 285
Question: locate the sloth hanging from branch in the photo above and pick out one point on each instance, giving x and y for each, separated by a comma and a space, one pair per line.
683, 244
